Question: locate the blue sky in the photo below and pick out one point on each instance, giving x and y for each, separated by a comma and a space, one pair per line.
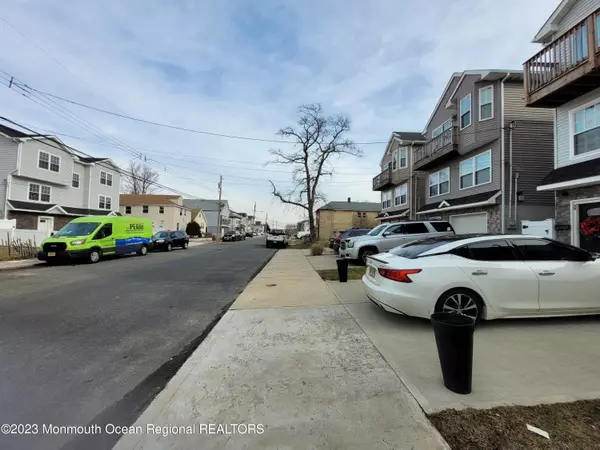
242, 67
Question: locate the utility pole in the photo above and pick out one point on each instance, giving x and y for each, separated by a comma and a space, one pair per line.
219, 216
254, 219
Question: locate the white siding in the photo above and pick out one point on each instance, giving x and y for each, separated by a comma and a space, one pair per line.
580, 10
29, 162
563, 129
8, 163
97, 189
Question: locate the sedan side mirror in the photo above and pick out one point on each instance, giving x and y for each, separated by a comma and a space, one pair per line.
52, 234
386, 234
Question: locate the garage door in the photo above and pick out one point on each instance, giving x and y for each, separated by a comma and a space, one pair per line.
469, 223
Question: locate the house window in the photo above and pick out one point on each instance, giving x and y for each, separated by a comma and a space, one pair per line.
465, 112
75, 181
386, 199
128, 210
394, 162
586, 137
43, 160
486, 103
106, 178
403, 152
39, 193
476, 171
401, 195
161, 209
181, 212
104, 202
145, 209
54, 163
439, 182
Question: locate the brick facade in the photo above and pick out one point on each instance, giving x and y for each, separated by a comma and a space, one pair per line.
493, 216
29, 221
563, 208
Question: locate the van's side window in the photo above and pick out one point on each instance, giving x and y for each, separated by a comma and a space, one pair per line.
104, 232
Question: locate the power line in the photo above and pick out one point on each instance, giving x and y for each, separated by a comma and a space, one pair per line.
38, 137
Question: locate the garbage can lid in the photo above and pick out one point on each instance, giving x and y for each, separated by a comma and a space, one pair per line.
453, 319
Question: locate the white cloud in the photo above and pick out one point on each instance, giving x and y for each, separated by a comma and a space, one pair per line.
234, 68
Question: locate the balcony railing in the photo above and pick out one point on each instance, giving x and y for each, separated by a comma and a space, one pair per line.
383, 180
563, 70
438, 146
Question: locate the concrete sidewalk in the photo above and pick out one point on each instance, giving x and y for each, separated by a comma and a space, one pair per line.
20, 264
289, 359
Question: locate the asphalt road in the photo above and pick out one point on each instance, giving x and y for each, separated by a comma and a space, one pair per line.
93, 344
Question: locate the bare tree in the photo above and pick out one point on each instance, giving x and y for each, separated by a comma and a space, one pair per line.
140, 179
319, 139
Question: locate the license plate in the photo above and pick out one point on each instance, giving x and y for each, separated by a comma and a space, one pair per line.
372, 271
51, 254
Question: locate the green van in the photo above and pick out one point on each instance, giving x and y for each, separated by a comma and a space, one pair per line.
92, 237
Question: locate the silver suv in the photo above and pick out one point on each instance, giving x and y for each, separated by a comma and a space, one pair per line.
389, 235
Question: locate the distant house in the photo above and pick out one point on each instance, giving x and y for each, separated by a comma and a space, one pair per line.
211, 213
167, 212
44, 184
199, 217
339, 216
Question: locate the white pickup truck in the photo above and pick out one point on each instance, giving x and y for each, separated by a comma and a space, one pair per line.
277, 238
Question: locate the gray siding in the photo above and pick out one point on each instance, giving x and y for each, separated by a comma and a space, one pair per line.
563, 130
8, 163
455, 192
97, 189
442, 114
515, 109
29, 162
63, 195
580, 10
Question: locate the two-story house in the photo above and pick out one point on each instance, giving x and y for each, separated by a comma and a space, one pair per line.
44, 184
402, 188
335, 217
167, 212
565, 76
485, 154
211, 213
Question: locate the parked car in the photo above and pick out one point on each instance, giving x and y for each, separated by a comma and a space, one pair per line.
230, 236
389, 235
167, 240
353, 232
485, 277
89, 238
249, 234
276, 238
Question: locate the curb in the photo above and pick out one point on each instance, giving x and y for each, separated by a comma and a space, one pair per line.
22, 265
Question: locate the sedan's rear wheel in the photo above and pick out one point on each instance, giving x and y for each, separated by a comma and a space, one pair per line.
461, 301
185, 245
169, 247
364, 254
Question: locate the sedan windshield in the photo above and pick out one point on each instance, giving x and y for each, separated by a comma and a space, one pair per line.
161, 235
375, 231
77, 229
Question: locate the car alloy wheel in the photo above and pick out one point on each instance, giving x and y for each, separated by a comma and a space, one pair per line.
169, 247
461, 303
143, 250
94, 256
366, 254
185, 245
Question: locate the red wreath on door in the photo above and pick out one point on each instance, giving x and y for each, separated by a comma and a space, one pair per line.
591, 226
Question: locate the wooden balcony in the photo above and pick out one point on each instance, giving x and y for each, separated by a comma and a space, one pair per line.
437, 150
383, 180
566, 68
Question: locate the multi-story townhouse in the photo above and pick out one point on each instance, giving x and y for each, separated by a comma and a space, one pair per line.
485, 154
402, 188
44, 184
565, 76
211, 212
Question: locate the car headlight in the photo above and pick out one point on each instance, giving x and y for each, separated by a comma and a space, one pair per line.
349, 244
78, 242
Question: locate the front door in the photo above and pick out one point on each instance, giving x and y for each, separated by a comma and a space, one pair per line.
589, 227
46, 224
105, 239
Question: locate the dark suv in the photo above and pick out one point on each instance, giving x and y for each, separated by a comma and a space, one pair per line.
338, 241
166, 240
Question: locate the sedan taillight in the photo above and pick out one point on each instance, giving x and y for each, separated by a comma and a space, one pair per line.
401, 275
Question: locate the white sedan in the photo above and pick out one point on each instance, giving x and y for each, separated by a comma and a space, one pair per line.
485, 277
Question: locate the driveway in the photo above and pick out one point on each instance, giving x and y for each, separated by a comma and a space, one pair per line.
95, 343
524, 362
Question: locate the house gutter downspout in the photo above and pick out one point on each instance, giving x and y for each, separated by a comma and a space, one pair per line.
503, 158
412, 192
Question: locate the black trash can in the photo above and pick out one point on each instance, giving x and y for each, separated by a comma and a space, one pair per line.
454, 339
342, 265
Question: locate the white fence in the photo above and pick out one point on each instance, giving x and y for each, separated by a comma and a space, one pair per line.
9, 233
